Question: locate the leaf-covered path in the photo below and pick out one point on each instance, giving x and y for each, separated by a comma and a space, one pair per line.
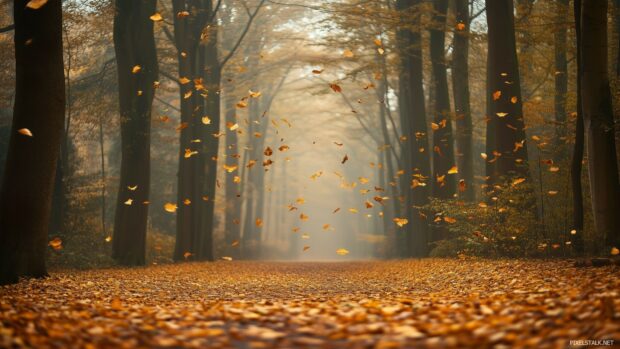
428, 303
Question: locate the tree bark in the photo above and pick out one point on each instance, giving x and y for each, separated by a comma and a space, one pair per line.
444, 185
577, 159
506, 143
415, 153
134, 44
561, 78
460, 84
25, 197
599, 122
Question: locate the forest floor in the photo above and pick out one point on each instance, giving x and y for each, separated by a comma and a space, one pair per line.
374, 304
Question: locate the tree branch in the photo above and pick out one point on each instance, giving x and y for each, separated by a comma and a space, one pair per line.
7, 28
245, 32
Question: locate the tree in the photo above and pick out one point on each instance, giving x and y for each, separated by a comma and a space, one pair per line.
460, 85
505, 126
577, 158
561, 76
415, 153
599, 121
36, 134
136, 60
444, 185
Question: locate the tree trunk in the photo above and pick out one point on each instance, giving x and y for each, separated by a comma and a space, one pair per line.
232, 214
561, 78
415, 152
460, 84
190, 202
134, 44
28, 180
577, 159
444, 185
599, 121
508, 149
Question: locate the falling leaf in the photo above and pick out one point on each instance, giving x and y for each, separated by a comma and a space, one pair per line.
497, 95
235, 243
136, 69
460, 26
336, 210
184, 80
56, 244
348, 53
462, 185
206, 120
306, 248
283, 148
401, 222
182, 14
552, 192
518, 181
132, 188
254, 94
300, 201
170, 207
317, 71
336, 88
187, 202
554, 169
453, 170
259, 222
128, 202
353, 210
381, 50
186, 255
268, 151
449, 220
501, 115
342, 251
236, 179
305, 236
36, 4
156, 17
189, 153
346, 157
108, 238
303, 217
514, 100
226, 258
326, 226
25, 132
484, 156
242, 104
615, 251
230, 168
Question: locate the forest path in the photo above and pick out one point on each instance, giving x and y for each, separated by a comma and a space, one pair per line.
381, 304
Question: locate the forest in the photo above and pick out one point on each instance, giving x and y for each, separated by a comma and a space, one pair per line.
309, 174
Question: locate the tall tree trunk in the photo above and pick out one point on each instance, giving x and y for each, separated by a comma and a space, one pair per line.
460, 85
187, 36
561, 78
504, 108
28, 180
415, 153
577, 159
212, 76
136, 59
599, 121
232, 214
444, 185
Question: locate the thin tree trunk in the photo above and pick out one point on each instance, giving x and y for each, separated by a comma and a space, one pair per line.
134, 44
460, 84
444, 185
232, 214
561, 78
577, 159
599, 122
28, 181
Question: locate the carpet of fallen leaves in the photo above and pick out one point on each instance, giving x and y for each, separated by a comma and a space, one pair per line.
383, 304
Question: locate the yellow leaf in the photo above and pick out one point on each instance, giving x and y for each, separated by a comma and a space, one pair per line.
189, 153
401, 222
501, 115
453, 170
156, 17
484, 156
128, 202
186, 255
460, 26
136, 69
259, 222
615, 251
514, 100
25, 132
206, 120
226, 258
108, 238
56, 244
449, 220
230, 168
353, 210
254, 94
235, 243
497, 95
132, 188
183, 80
170, 207
342, 251
306, 248
518, 181
303, 217
348, 53
36, 4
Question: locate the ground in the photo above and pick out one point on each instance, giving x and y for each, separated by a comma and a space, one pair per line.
374, 304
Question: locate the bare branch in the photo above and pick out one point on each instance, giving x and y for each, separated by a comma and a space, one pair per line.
245, 32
